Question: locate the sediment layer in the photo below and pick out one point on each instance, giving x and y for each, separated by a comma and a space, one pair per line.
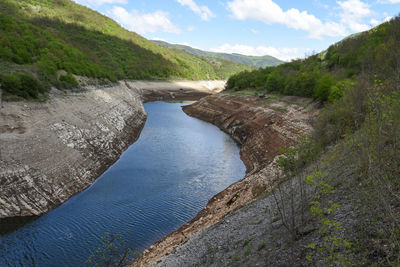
261, 127
52, 150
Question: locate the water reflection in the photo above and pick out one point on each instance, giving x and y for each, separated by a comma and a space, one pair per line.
158, 184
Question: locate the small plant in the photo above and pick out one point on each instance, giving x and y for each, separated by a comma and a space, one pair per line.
69, 80
247, 252
112, 252
336, 247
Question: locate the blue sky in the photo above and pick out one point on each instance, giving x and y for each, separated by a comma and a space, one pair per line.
284, 29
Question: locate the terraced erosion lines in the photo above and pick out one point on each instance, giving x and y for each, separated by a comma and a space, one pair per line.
260, 127
51, 151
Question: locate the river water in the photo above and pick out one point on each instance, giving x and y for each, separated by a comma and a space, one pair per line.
158, 184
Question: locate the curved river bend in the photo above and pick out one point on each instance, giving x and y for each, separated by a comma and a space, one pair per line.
160, 183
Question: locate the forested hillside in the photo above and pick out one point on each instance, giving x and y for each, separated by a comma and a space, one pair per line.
40, 37
256, 61
353, 154
325, 76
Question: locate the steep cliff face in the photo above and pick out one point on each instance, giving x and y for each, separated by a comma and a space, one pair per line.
261, 127
51, 151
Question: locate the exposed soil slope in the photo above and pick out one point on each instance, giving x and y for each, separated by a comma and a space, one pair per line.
260, 127
52, 150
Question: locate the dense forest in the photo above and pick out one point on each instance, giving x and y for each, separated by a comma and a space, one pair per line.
38, 38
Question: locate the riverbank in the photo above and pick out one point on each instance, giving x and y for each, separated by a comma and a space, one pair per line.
261, 127
52, 150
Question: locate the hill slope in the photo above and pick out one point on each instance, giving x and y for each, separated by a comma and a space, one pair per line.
332, 200
41, 37
352, 157
261, 62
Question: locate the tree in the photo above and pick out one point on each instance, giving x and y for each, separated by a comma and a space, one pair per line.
274, 82
323, 88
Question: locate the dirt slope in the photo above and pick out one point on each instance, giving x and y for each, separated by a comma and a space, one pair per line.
260, 127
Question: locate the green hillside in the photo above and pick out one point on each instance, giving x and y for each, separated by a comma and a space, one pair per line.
40, 37
327, 75
261, 62
353, 153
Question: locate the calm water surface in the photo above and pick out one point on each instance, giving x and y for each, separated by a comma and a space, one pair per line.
157, 185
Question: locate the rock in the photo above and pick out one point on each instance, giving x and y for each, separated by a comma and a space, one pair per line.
261, 130
51, 151
66, 144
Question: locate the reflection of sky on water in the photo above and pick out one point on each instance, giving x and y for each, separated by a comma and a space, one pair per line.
157, 185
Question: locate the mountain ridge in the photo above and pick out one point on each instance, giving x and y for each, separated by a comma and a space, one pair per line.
256, 61
41, 37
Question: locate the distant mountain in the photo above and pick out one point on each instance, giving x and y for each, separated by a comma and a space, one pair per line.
41, 38
262, 61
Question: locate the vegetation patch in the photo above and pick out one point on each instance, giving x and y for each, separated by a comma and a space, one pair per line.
46, 36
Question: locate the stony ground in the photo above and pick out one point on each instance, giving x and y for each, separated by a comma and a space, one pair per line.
256, 235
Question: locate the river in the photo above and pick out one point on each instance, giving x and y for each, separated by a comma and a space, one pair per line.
160, 182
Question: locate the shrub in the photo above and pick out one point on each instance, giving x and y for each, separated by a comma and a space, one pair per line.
69, 79
323, 89
11, 83
30, 85
338, 90
274, 82
23, 85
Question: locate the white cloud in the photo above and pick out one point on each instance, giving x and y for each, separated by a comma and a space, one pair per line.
254, 31
388, 18
144, 22
158, 39
353, 12
374, 22
203, 11
285, 54
388, 1
269, 12
100, 2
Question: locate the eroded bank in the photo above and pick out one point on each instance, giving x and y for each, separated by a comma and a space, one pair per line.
50, 151
261, 127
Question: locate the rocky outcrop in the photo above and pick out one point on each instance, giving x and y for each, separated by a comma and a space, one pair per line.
52, 150
261, 127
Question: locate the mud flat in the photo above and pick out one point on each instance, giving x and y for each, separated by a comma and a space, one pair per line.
261, 127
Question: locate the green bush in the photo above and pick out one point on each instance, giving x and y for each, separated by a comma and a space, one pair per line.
338, 90
11, 83
23, 85
69, 79
323, 88
274, 82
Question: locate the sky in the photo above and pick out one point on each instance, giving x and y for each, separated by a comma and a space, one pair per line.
280, 28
